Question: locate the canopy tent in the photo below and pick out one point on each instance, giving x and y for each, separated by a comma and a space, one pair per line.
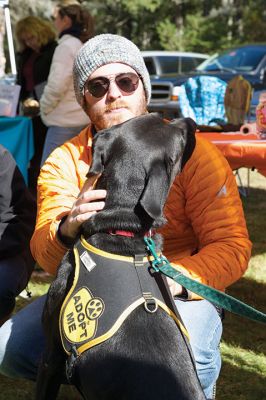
5, 5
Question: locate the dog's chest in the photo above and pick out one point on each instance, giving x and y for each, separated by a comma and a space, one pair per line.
106, 289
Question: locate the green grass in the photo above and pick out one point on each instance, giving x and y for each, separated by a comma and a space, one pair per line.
243, 375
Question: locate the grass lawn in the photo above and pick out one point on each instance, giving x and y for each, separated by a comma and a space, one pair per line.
243, 375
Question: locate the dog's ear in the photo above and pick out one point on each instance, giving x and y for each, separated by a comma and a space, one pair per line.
97, 165
155, 192
191, 141
100, 148
188, 128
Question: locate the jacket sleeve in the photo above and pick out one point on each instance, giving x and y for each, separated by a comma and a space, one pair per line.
58, 187
214, 209
17, 208
59, 79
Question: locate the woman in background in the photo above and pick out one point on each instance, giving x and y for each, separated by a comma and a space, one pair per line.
59, 108
36, 41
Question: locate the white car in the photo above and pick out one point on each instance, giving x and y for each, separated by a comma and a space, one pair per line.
162, 63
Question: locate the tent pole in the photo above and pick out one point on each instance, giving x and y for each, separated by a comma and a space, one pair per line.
10, 40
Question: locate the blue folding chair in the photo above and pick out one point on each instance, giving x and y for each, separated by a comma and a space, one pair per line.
202, 99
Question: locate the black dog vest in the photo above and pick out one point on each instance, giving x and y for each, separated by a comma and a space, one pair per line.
105, 290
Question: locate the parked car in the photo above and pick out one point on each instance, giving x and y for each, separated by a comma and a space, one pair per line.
248, 61
164, 67
164, 64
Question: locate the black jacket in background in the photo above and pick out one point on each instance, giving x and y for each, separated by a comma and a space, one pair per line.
41, 66
17, 209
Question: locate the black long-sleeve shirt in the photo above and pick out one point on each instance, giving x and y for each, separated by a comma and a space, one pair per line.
17, 208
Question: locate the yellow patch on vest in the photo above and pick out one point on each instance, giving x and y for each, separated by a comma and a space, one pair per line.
80, 316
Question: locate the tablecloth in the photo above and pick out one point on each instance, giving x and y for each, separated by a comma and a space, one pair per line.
16, 134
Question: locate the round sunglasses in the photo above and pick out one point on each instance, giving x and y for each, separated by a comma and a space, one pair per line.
127, 81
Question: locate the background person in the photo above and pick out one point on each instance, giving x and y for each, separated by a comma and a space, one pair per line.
59, 108
36, 39
205, 235
17, 220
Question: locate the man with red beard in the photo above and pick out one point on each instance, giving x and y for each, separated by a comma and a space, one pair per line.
205, 235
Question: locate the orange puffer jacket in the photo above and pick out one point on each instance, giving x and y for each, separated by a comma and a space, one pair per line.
206, 231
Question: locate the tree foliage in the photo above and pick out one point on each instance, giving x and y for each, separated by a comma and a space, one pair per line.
200, 25
190, 25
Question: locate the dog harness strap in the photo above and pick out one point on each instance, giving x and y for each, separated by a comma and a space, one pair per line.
93, 309
150, 303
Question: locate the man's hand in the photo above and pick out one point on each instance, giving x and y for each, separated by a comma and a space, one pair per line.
88, 203
174, 287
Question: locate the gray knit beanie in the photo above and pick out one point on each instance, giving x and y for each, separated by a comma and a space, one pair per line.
104, 49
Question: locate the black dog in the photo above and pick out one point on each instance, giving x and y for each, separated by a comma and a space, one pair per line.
137, 349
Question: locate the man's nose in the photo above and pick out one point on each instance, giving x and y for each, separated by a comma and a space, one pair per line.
113, 91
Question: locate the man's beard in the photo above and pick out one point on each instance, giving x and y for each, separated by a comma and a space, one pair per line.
104, 119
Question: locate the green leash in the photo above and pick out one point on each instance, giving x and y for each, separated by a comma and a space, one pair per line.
229, 303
